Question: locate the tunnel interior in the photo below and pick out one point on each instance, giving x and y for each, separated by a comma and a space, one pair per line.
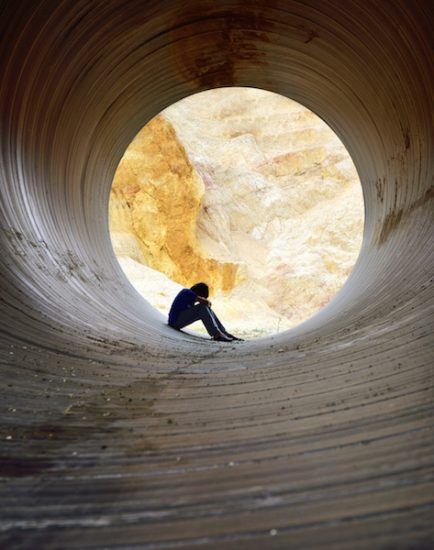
118, 432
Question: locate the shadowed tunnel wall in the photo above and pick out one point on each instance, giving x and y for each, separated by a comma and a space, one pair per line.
118, 432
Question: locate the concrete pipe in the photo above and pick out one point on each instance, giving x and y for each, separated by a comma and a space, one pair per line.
117, 432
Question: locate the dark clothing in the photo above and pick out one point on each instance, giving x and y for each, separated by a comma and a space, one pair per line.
200, 312
184, 300
183, 312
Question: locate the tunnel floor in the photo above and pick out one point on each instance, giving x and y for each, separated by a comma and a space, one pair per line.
118, 447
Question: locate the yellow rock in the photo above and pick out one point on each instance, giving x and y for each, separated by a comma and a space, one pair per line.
156, 199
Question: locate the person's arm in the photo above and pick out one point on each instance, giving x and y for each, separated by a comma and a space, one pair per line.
203, 301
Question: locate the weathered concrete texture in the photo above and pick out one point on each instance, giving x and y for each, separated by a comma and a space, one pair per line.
117, 432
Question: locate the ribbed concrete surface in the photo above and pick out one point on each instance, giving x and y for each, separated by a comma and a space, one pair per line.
118, 433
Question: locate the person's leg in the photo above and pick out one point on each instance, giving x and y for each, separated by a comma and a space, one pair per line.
218, 322
222, 328
198, 313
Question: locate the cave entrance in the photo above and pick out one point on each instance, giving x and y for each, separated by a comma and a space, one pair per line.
248, 191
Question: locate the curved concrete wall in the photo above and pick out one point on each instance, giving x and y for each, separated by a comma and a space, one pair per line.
117, 432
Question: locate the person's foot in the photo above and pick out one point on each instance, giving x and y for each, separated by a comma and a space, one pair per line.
234, 337
220, 337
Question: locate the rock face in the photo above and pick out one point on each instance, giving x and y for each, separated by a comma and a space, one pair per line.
155, 202
248, 191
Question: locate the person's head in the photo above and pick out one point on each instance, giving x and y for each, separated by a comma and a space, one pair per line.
201, 289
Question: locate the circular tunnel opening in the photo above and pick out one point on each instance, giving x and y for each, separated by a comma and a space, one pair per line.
246, 190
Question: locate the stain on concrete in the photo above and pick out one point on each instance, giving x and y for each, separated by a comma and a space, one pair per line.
212, 58
394, 218
79, 419
308, 34
18, 466
380, 185
406, 135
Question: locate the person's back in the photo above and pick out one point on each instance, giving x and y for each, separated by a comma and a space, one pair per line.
184, 299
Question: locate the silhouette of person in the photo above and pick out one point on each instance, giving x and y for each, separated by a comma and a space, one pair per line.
192, 304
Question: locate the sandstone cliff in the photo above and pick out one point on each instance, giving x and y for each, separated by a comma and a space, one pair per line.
154, 205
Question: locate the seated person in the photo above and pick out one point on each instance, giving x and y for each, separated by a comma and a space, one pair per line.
192, 304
